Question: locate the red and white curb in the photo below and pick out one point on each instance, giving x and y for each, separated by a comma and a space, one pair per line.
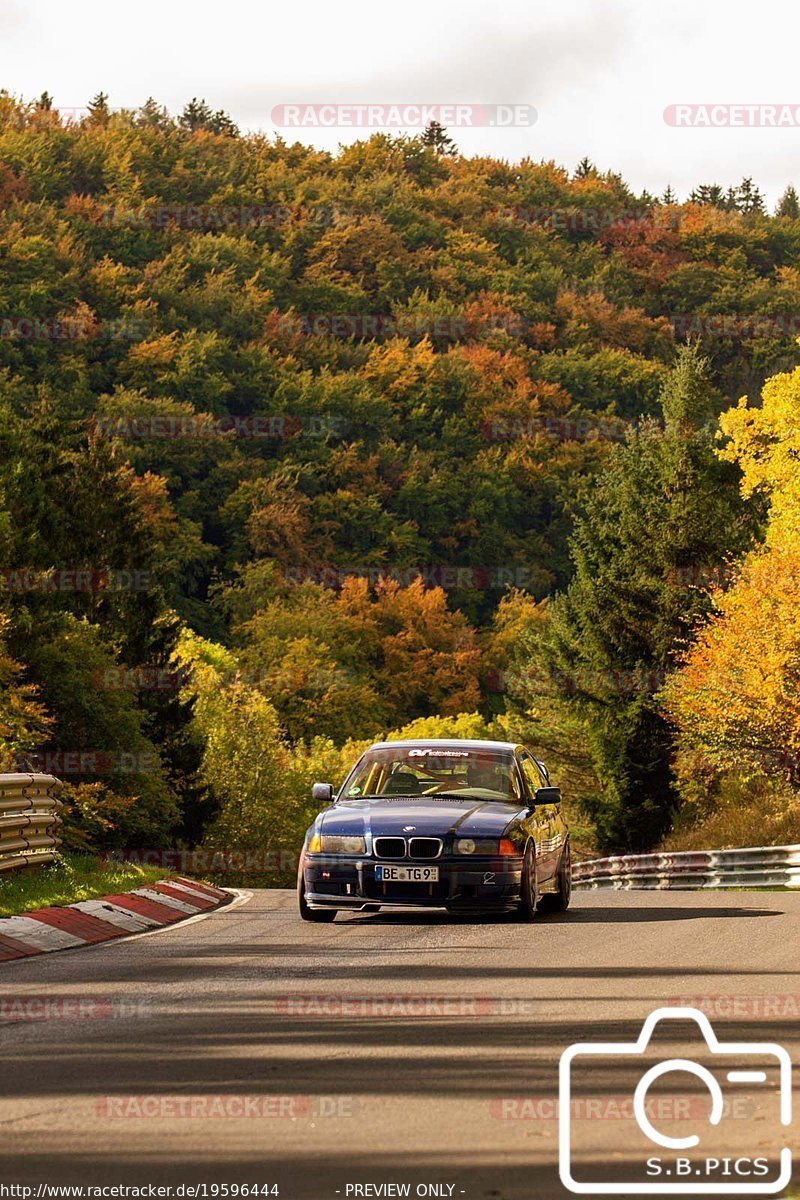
92, 921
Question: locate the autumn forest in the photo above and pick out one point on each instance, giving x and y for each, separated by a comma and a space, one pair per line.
300, 450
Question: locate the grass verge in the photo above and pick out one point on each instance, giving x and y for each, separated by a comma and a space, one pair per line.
71, 877
740, 812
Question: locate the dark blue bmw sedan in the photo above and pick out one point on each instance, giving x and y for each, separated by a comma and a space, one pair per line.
468, 826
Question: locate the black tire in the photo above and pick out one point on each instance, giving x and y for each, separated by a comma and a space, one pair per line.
529, 898
559, 901
321, 916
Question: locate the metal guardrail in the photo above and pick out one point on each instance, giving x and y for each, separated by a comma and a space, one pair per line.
747, 867
29, 808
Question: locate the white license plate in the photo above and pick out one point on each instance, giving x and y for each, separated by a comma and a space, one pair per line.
407, 874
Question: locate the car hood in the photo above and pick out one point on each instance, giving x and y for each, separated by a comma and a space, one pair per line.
468, 817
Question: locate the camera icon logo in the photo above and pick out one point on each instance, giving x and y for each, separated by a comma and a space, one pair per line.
655, 1157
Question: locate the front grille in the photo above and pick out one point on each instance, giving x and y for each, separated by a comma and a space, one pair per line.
425, 847
390, 847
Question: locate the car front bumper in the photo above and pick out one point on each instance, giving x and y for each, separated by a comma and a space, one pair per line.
334, 881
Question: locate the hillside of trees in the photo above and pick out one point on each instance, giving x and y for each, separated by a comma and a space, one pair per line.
299, 449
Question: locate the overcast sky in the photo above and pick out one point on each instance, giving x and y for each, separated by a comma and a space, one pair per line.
599, 74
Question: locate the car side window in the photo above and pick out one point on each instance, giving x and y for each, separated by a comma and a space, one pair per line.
534, 779
516, 785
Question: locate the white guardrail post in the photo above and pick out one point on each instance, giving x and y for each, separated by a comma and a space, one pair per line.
29, 808
747, 867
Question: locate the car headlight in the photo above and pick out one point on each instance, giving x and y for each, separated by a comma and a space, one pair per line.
335, 843
475, 846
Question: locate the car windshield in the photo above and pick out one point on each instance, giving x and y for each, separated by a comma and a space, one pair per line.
432, 771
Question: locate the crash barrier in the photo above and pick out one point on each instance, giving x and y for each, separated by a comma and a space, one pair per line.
29, 808
747, 867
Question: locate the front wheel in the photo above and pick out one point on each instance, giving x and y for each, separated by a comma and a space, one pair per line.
529, 898
319, 915
559, 901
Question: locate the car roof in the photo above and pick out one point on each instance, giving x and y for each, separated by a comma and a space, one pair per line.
448, 744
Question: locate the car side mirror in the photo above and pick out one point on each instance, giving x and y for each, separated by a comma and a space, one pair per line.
322, 793
546, 795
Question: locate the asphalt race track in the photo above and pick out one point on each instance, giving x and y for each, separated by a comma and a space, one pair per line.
359, 1087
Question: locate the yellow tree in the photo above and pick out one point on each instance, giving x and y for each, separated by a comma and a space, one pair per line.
736, 698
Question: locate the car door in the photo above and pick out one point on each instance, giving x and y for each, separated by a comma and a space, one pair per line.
542, 821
